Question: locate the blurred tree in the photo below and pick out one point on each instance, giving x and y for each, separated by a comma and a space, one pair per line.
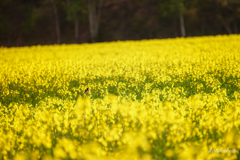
174, 9
227, 13
56, 18
53, 5
28, 22
218, 16
74, 10
181, 17
16, 20
94, 11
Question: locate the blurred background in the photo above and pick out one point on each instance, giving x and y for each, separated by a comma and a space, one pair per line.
33, 22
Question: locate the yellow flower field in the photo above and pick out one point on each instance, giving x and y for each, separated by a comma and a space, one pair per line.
149, 99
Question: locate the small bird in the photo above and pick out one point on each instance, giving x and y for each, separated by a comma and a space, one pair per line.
86, 91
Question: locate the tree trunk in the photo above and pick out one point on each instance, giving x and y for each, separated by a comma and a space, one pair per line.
175, 27
20, 41
203, 26
93, 21
94, 18
226, 25
235, 26
181, 17
182, 25
57, 25
76, 25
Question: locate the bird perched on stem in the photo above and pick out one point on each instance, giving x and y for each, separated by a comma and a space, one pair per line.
86, 91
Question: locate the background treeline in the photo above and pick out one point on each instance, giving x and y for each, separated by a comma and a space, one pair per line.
32, 22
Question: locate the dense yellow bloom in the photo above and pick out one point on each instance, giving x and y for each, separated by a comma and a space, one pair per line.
150, 99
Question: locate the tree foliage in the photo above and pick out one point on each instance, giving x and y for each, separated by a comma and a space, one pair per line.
26, 22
